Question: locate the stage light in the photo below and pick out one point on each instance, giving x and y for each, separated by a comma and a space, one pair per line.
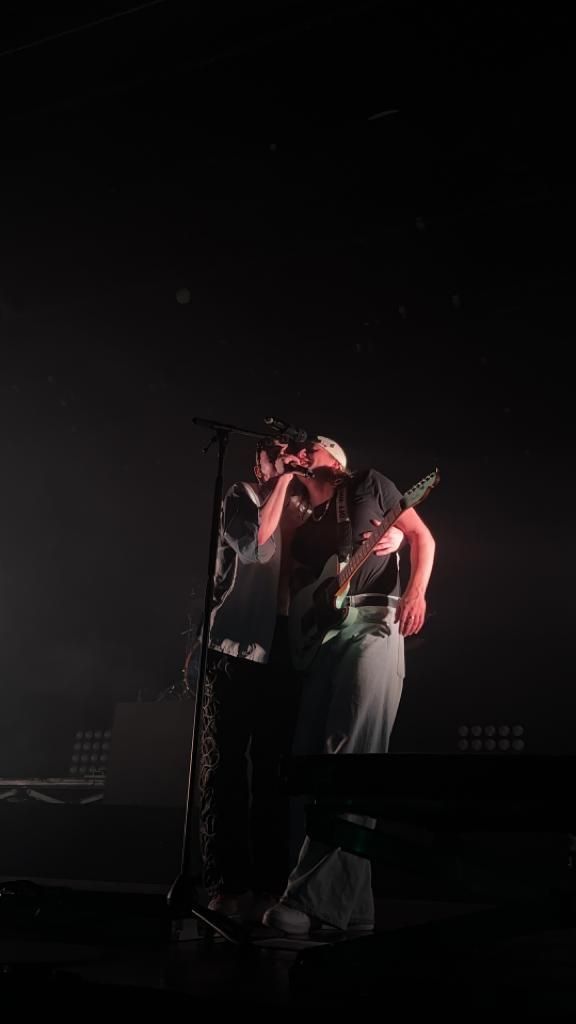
490, 739
89, 758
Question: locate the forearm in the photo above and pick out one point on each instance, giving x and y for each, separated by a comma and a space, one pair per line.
422, 548
271, 512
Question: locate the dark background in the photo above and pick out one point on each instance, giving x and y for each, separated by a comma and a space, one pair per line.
355, 217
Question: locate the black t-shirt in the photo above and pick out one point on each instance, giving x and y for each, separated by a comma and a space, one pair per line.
370, 496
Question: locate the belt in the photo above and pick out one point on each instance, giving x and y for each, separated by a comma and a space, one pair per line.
370, 600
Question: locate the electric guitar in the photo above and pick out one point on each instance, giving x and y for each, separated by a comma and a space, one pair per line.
318, 610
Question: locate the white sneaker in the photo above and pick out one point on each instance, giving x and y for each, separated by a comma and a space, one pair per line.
286, 919
296, 922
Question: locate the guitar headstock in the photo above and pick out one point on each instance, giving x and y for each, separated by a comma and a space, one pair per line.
421, 490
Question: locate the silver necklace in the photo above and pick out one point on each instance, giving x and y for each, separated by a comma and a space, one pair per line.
306, 510
317, 517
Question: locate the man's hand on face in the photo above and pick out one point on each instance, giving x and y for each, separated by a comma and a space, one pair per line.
286, 459
276, 460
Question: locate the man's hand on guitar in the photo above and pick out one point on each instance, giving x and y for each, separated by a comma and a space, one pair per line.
387, 544
411, 613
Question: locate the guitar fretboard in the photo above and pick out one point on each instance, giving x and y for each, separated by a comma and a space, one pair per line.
365, 549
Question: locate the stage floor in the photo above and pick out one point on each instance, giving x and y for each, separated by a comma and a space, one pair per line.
424, 955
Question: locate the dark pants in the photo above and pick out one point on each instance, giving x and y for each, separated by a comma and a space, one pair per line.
249, 716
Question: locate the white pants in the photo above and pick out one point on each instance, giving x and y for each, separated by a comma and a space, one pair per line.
349, 704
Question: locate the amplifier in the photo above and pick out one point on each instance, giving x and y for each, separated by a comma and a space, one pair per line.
149, 754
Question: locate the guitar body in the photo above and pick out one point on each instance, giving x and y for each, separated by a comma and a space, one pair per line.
316, 614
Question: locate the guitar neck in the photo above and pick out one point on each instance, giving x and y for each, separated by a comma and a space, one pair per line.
366, 549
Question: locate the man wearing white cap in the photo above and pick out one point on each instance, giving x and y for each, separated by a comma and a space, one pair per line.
353, 685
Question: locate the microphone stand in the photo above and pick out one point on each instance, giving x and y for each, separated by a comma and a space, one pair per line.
181, 897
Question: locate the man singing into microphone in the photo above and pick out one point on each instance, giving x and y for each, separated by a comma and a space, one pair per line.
250, 700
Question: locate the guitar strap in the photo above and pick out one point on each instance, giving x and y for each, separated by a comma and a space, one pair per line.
345, 543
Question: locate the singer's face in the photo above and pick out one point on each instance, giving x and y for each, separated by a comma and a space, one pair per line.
266, 459
272, 460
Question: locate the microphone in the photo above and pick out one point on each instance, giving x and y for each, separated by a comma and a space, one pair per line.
293, 467
287, 429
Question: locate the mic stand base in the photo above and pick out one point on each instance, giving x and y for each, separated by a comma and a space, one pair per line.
182, 903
